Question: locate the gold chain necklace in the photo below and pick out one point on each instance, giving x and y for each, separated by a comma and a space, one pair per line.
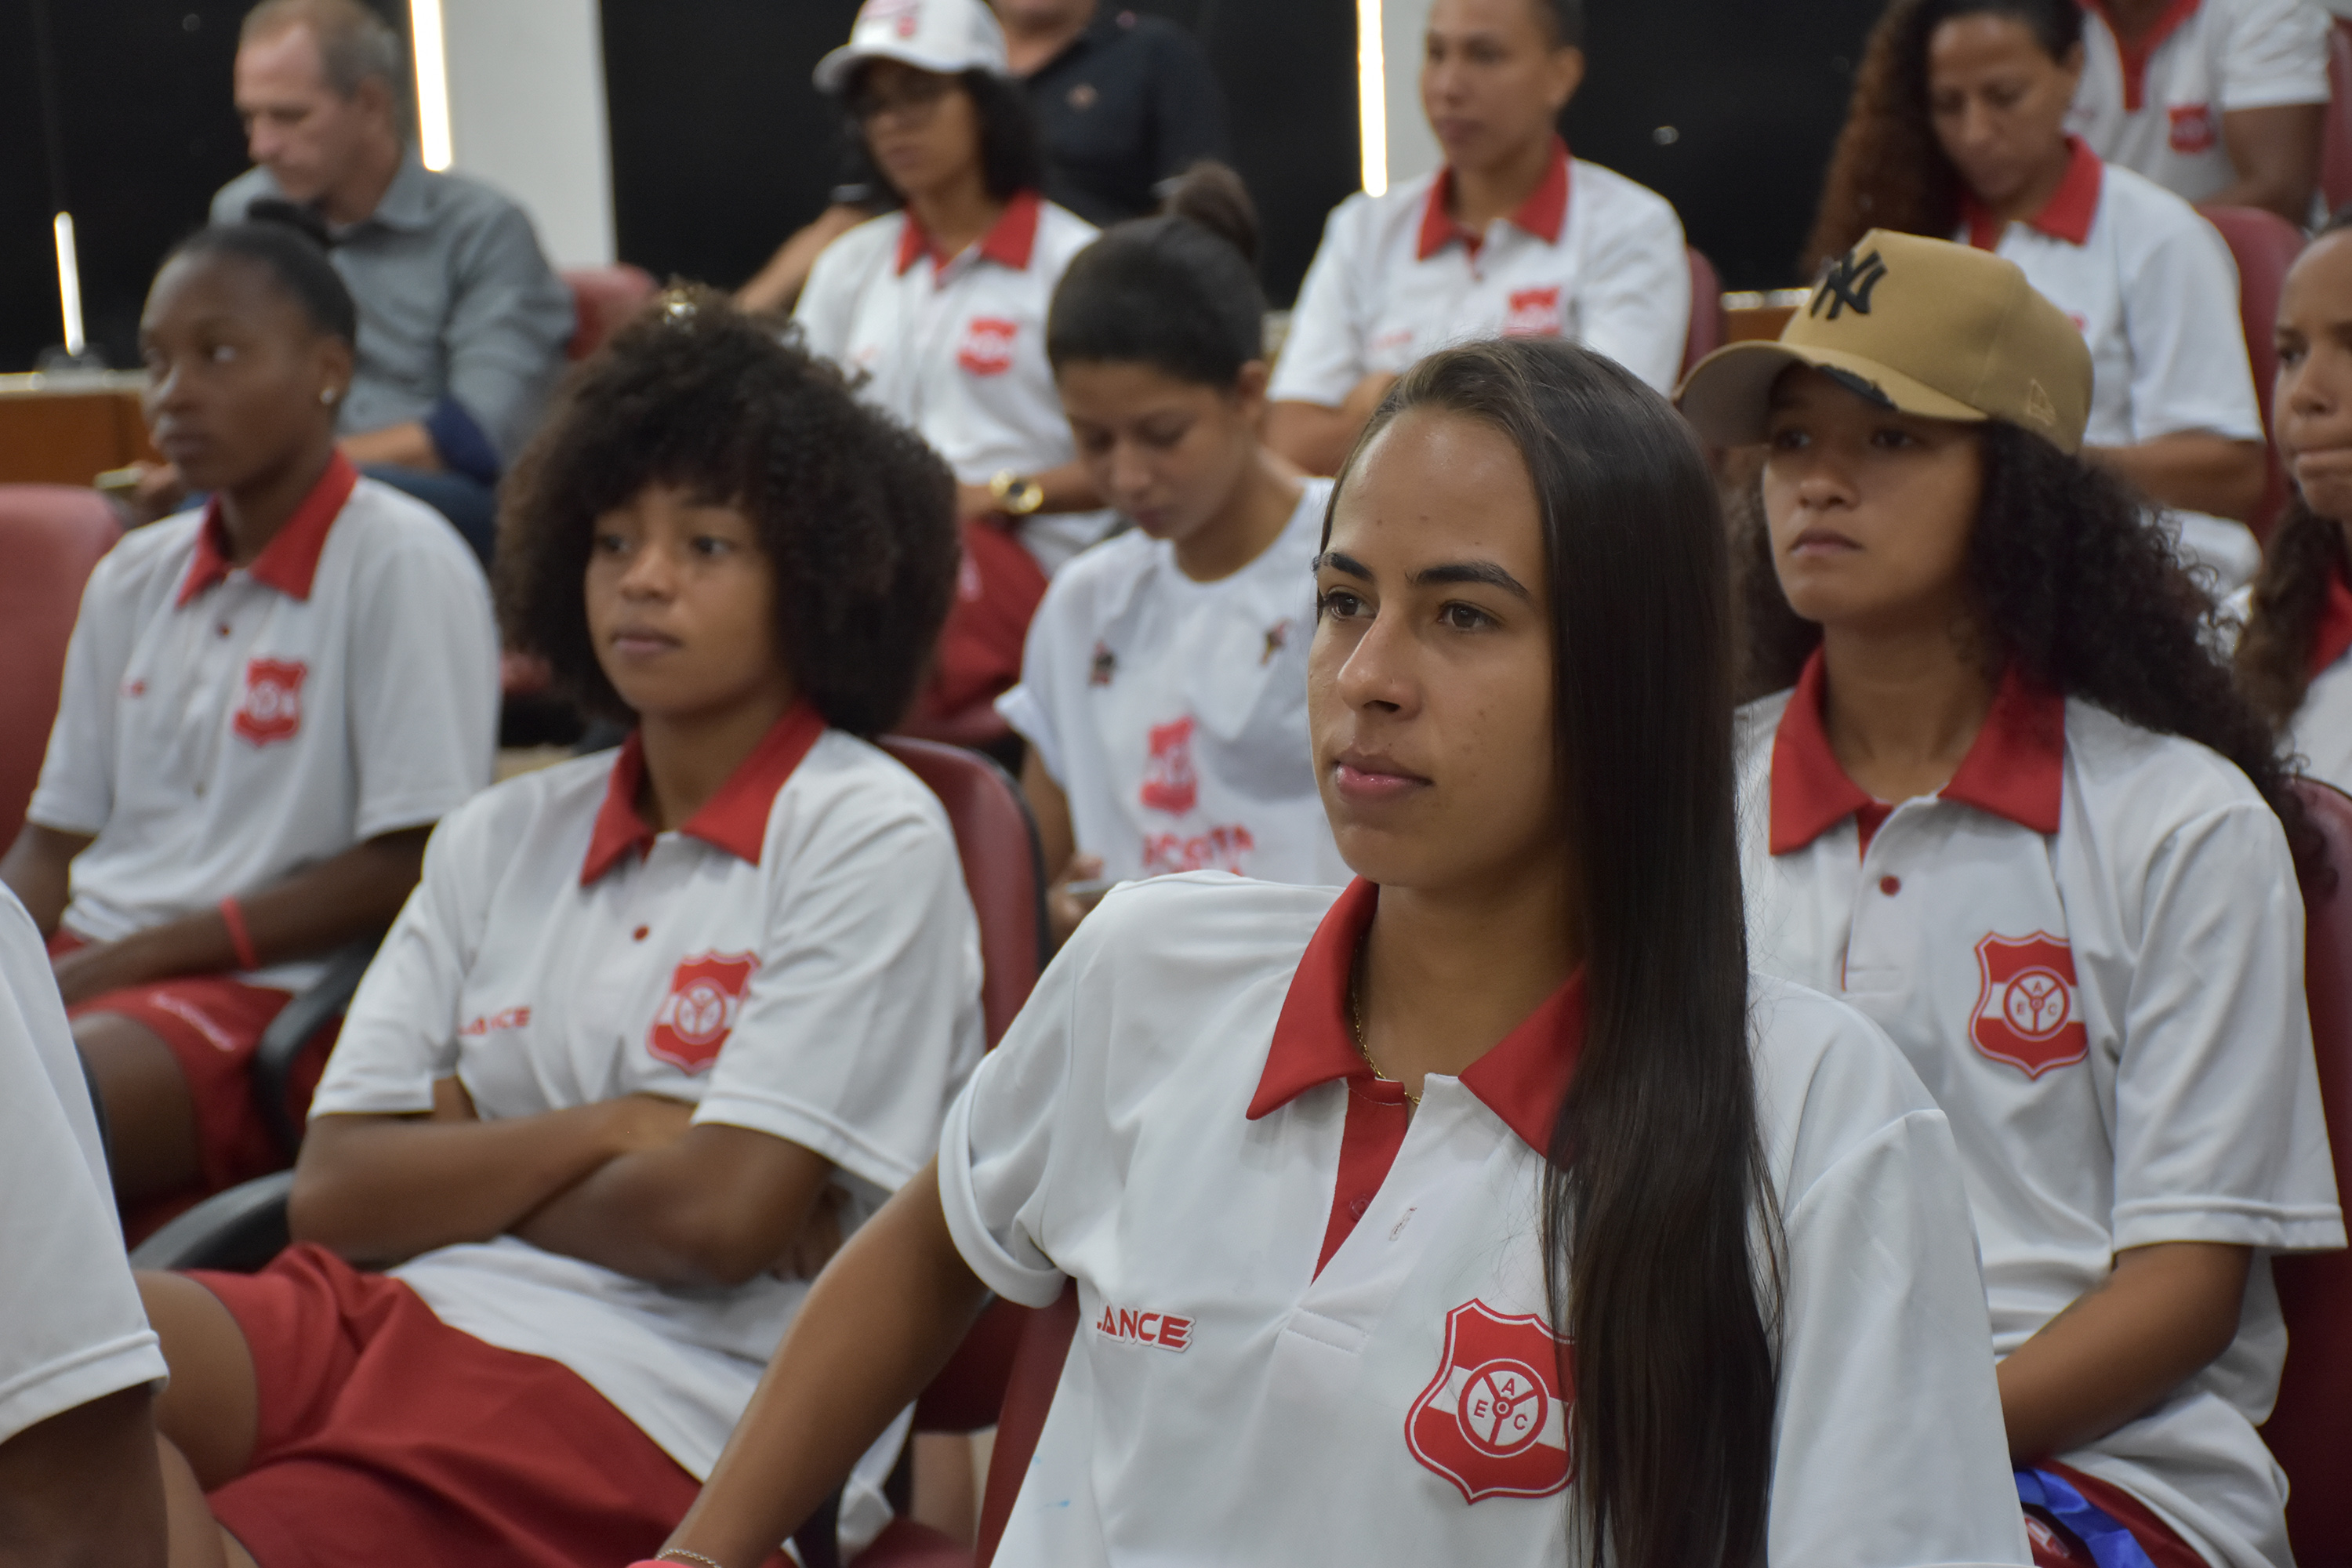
1356, 1021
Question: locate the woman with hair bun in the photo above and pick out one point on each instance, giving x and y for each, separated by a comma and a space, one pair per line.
1163, 688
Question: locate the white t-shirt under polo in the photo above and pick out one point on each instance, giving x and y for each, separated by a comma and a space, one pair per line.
1591, 256
1173, 713
2090, 945
2155, 292
1312, 1333
2156, 109
71, 1328
956, 347
800, 959
220, 729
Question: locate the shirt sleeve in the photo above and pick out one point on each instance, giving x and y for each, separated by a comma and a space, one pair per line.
823, 310
1633, 302
2190, 370
2276, 54
423, 671
76, 1331
509, 318
2219, 1135
76, 792
1188, 107
1323, 357
1034, 707
863, 1017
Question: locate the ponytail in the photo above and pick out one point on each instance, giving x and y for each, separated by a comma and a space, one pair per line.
1178, 291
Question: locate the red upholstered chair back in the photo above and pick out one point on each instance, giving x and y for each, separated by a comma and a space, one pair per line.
2310, 1431
2265, 245
601, 298
50, 537
2336, 149
1710, 326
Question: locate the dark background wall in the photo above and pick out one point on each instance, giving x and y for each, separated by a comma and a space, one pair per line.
721, 148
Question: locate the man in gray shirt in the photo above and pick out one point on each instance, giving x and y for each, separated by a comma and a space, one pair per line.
462, 323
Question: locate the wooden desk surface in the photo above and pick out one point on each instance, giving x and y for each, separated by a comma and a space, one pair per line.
67, 429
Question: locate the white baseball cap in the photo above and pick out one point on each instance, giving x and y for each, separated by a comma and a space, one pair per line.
943, 36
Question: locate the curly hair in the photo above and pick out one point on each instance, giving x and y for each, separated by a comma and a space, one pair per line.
854, 512
2076, 590
1888, 170
1012, 148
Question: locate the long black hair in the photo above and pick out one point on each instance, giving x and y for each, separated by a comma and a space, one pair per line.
1663, 1253
1177, 291
1888, 171
1012, 149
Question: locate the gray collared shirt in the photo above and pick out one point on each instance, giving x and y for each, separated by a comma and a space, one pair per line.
457, 307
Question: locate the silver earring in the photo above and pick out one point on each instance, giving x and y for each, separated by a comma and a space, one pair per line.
326, 395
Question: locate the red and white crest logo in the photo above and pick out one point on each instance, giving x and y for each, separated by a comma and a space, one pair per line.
2192, 127
1494, 1421
987, 348
271, 706
2026, 1013
907, 13
1170, 785
706, 993
1534, 313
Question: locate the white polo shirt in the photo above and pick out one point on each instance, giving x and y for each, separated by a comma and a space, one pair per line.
2090, 945
2321, 731
222, 728
2156, 107
75, 1329
1313, 1332
955, 346
800, 958
2154, 290
1173, 713
1590, 256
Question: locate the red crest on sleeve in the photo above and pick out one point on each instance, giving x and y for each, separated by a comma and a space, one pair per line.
2026, 1013
270, 707
1494, 1421
706, 995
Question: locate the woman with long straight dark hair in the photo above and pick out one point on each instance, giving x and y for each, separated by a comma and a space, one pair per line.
1398, 1213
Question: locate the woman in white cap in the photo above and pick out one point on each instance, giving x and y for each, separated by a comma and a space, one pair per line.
939, 310
2013, 810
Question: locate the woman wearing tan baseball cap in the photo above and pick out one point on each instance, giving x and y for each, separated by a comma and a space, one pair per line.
2013, 810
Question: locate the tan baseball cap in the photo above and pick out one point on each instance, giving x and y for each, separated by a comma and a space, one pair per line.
1930, 328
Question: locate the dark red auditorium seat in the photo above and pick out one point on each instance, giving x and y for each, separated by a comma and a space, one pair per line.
601, 298
2336, 149
50, 537
2264, 245
1710, 326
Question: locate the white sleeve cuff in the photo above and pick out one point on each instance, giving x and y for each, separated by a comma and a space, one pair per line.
1030, 1280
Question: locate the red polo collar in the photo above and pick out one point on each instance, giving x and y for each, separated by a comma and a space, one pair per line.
735, 819
1008, 242
1542, 215
2135, 57
2069, 213
290, 561
2333, 637
2014, 769
1522, 1080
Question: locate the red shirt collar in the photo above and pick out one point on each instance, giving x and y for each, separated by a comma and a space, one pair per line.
1542, 215
2067, 215
2014, 769
2135, 57
1008, 242
290, 561
1522, 1080
2333, 637
735, 819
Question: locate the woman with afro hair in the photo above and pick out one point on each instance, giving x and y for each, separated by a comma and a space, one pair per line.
1959, 131
658, 1026
2004, 799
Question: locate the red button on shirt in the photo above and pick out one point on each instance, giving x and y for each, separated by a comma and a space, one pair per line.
1890, 886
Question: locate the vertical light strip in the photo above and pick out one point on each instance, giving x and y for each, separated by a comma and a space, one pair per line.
1372, 97
69, 284
431, 83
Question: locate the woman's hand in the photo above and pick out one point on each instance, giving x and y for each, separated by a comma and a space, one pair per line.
96, 968
976, 500
1066, 908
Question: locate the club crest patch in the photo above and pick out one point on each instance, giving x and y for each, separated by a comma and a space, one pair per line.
706, 995
1533, 313
1494, 1420
2026, 1013
2191, 129
907, 13
270, 707
987, 346
1170, 785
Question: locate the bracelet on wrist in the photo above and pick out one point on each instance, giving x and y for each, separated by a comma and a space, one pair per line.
240, 940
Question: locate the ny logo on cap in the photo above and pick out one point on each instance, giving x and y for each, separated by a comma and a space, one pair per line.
1849, 281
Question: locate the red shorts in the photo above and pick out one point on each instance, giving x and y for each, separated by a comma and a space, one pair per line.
212, 1024
2055, 1546
388, 1438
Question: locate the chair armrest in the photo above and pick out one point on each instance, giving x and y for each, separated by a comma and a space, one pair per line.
282, 1041
238, 1230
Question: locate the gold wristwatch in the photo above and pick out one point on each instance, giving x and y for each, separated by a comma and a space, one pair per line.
1017, 493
